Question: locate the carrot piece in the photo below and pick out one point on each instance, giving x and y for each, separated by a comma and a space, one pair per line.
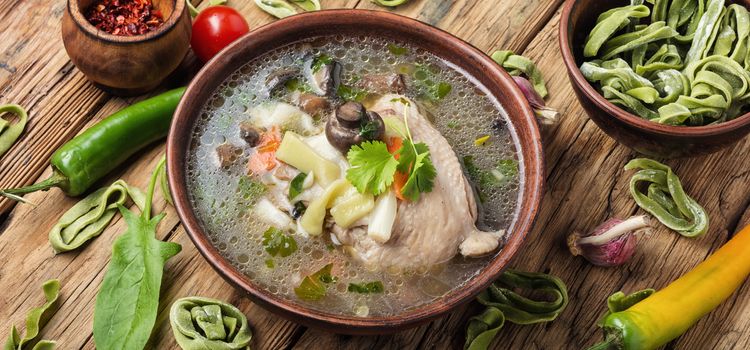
394, 145
264, 158
399, 179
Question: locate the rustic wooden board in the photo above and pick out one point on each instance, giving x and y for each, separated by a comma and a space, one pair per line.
585, 185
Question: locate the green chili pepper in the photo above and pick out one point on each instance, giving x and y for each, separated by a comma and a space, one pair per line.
90, 216
208, 324
504, 303
666, 200
88, 157
10, 133
35, 320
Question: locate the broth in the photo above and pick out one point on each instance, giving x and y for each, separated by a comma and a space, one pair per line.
464, 115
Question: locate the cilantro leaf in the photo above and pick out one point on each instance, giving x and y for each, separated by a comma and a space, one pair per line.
313, 286
351, 93
397, 50
499, 176
422, 177
372, 167
414, 159
368, 130
276, 243
408, 154
426, 81
366, 288
250, 190
320, 61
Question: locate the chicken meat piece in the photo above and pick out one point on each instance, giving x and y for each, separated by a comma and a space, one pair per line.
441, 223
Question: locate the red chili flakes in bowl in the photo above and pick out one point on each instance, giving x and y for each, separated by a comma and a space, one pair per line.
124, 17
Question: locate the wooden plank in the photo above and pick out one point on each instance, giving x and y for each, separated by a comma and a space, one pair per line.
488, 25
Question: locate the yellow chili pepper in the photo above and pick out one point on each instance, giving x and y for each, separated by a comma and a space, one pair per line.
668, 313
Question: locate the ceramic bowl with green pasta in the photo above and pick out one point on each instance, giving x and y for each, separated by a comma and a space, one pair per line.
668, 78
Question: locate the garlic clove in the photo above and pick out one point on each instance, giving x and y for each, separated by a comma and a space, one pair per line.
610, 244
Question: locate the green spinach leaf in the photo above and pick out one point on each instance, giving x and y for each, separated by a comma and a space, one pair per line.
128, 300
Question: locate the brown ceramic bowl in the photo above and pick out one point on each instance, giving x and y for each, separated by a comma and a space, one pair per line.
652, 139
127, 65
352, 23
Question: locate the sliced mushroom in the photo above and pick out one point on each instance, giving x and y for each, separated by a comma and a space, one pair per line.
313, 104
324, 74
352, 125
250, 133
227, 153
384, 83
280, 76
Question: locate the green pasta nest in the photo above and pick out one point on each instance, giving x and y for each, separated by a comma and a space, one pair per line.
675, 62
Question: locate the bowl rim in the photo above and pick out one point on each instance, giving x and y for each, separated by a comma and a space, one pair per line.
179, 10
624, 116
530, 196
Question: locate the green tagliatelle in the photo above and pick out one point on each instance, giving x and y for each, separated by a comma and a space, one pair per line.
688, 66
90, 216
517, 65
665, 198
35, 320
9, 133
207, 324
389, 3
504, 303
284, 8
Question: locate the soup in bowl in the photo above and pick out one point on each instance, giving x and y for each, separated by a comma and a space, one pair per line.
355, 170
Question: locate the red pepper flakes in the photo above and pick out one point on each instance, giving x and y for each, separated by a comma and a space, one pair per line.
124, 17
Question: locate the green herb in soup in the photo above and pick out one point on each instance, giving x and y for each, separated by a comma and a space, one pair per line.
674, 62
350, 151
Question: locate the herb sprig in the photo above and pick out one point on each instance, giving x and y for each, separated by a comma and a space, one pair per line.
373, 167
313, 287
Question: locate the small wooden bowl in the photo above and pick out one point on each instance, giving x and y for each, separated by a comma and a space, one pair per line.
652, 139
127, 65
354, 23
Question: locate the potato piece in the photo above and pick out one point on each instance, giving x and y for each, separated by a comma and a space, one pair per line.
298, 154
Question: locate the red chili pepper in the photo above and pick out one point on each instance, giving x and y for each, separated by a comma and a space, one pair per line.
124, 17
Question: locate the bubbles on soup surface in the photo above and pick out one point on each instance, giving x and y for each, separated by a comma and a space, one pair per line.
464, 114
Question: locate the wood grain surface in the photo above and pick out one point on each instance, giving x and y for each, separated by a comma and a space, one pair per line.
585, 185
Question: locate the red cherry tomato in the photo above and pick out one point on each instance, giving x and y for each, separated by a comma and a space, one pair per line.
214, 28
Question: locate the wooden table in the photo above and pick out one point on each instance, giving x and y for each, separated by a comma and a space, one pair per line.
585, 185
